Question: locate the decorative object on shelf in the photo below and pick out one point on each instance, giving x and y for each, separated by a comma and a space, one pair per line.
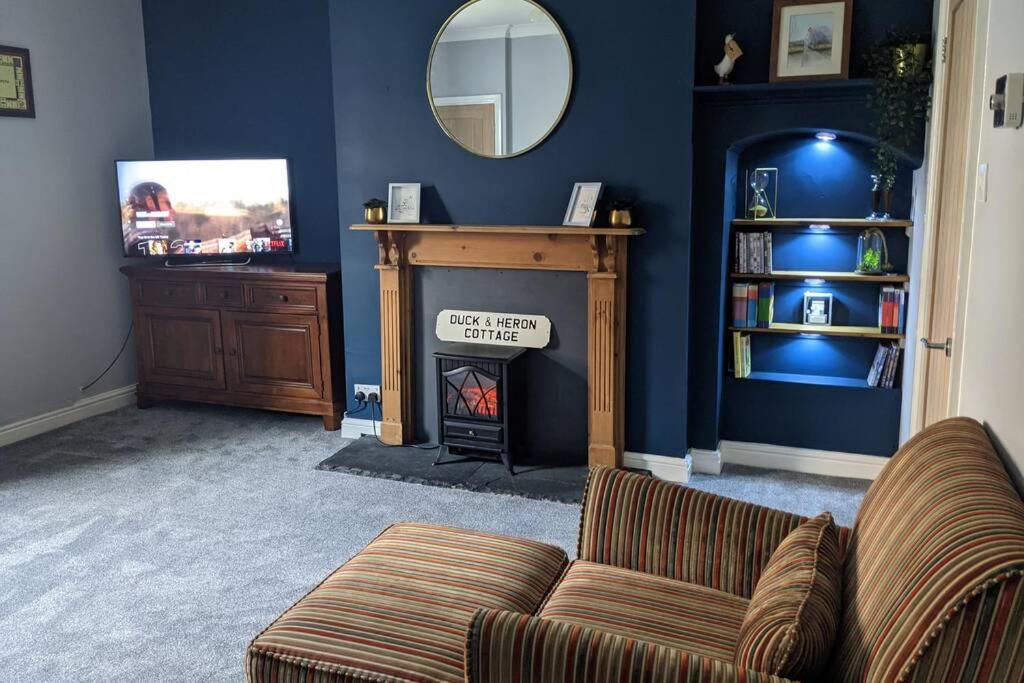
817, 308
583, 204
467, 89
810, 40
759, 181
404, 203
16, 83
732, 53
620, 213
374, 211
901, 101
881, 197
872, 253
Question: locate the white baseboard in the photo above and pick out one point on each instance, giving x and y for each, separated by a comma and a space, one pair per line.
79, 410
354, 427
706, 462
806, 460
661, 466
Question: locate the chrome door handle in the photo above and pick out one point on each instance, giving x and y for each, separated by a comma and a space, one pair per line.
946, 346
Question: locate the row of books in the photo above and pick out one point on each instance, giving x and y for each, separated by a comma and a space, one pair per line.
753, 252
741, 355
892, 310
753, 304
883, 369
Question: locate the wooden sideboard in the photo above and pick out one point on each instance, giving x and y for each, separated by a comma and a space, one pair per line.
254, 336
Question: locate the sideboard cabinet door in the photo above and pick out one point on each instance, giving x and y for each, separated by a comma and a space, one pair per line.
181, 347
273, 354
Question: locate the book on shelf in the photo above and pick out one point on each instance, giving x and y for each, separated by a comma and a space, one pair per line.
883, 369
753, 252
753, 304
892, 310
741, 355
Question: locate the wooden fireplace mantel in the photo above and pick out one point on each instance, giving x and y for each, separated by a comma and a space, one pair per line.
601, 253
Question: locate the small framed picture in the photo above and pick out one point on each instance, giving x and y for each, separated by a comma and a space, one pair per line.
15, 83
583, 204
817, 308
404, 203
810, 40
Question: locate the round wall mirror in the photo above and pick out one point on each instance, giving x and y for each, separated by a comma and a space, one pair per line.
499, 76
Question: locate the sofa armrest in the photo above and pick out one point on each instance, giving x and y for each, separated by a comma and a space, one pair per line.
640, 523
507, 646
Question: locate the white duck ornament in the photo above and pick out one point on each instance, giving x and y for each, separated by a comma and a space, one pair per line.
732, 53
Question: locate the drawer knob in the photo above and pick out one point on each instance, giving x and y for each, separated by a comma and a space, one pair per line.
225, 295
170, 292
283, 297
472, 432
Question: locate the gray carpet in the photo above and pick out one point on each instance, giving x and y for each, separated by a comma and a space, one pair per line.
152, 545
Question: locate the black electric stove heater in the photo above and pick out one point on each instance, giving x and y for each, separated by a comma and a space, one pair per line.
480, 401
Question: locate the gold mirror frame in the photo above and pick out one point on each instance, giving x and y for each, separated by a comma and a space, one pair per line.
565, 103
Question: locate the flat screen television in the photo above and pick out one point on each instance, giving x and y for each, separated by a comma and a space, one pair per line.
205, 208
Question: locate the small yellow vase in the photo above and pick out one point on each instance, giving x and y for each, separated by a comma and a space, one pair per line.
620, 218
375, 215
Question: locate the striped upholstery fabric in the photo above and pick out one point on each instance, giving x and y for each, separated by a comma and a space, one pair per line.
650, 526
400, 609
793, 617
503, 647
662, 611
938, 545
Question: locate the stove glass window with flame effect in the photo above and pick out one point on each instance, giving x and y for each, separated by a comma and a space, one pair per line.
471, 393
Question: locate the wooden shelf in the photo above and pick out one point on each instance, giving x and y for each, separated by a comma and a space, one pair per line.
831, 276
812, 380
831, 222
801, 87
825, 330
500, 229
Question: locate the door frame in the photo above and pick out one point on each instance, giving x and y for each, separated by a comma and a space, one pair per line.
933, 189
499, 130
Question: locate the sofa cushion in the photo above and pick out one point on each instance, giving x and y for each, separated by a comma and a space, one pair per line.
401, 608
650, 608
794, 613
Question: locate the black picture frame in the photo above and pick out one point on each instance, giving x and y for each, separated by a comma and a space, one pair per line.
24, 84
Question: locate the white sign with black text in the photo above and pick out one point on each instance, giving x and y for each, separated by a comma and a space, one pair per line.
501, 329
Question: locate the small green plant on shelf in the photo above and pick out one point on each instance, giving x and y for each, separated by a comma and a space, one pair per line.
870, 261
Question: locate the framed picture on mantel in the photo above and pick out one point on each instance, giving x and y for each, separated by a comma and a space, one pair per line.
810, 40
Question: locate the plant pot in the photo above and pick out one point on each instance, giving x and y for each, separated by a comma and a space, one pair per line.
375, 215
908, 59
886, 203
620, 218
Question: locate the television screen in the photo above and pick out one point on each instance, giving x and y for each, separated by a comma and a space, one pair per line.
182, 208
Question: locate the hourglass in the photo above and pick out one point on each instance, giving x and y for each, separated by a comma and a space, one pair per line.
758, 206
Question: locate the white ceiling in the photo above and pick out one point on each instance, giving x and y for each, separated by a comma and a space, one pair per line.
489, 18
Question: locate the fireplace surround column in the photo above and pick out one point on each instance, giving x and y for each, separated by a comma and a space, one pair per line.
395, 340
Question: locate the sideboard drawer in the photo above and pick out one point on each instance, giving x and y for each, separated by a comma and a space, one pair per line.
294, 298
166, 293
222, 294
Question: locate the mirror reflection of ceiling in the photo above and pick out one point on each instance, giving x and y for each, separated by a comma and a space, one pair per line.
500, 75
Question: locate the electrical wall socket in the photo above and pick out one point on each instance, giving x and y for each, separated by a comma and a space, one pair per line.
368, 389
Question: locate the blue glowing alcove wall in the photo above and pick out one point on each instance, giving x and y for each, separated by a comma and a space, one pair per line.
810, 391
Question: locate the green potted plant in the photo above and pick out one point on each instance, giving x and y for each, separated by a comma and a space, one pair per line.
374, 210
902, 71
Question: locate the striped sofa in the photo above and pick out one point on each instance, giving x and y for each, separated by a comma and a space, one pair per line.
932, 587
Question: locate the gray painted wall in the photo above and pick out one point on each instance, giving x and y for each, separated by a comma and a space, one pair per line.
471, 67
65, 307
537, 91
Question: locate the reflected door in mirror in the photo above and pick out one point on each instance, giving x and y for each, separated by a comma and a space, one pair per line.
472, 124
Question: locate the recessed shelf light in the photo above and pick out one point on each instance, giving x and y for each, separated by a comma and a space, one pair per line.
819, 227
814, 281
825, 135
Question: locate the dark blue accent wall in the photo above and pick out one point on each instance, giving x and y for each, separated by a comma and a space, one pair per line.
628, 125
249, 78
751, 22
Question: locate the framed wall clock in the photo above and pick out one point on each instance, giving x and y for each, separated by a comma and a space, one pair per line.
15, 83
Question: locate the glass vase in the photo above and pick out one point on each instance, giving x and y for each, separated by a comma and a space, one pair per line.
872, 252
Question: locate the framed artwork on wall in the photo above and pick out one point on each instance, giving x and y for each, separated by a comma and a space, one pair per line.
817, 308
16, 83
404, 203
810, 40
583, 205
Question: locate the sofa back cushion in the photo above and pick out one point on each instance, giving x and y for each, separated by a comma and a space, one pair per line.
940, 529
791, 621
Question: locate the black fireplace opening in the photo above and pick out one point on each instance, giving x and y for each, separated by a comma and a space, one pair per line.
479, 402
